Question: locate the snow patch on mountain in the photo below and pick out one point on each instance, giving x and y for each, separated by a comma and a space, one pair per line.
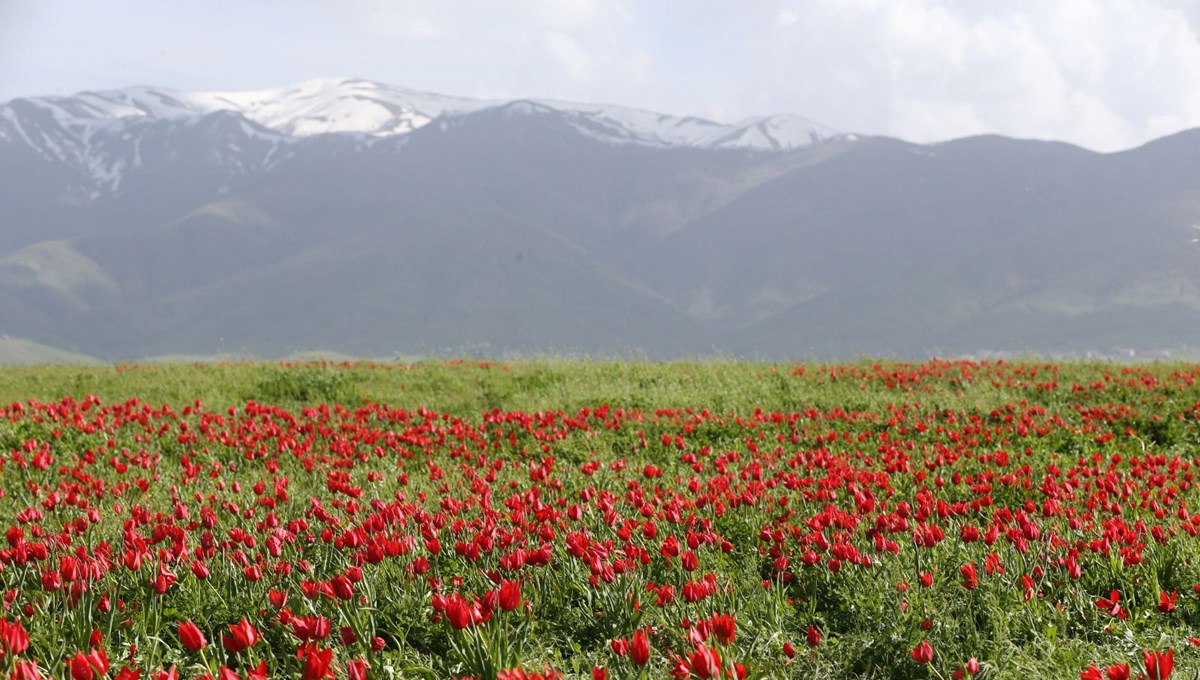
102, 133
778, 132
347, 105
336, 105
636, 125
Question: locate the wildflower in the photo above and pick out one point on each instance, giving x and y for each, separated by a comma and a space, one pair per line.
639, 648
13, 638
241, 635
510, 595
724, 627
970, 578
923, 653
1166, 604
27, 670
1159, 664
1112, 606
191, 637
316, 662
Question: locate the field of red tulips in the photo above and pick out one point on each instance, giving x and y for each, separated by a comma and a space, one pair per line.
556, 520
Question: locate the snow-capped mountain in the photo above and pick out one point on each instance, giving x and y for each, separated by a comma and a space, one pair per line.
103, 142
347, 105
103, 136
372, 220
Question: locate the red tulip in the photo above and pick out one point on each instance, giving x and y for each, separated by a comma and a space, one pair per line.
724, 628
316, 662
813, 637
98, 659
80, 668
970, 578
342, 587
68, 569
670, 547
705, 663
992, 565
87, 666
1166, 604
1118, 672
510, 595
1091, 673
639, 648
923, 653
1030, 589
240, 636
689, 561
458, 611
163, 579
620, 646
1159, 664
1111, 604
13, 638
27, 670
191, 637
311, 627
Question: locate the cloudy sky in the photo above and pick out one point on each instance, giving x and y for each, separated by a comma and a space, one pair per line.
1105, 74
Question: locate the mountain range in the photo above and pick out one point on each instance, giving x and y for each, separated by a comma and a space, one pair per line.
368, 219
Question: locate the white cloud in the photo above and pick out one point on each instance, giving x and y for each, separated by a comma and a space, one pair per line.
1107, 74
568, 54
564, 15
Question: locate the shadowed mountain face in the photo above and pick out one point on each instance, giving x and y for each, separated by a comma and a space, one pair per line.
535, 227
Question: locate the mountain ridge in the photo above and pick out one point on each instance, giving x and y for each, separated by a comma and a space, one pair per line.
523, 227
356, 106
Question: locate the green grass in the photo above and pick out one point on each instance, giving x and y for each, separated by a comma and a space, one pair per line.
765, 447
469, 386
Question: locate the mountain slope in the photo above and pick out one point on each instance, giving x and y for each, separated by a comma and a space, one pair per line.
360, 218
22, 352
972, 245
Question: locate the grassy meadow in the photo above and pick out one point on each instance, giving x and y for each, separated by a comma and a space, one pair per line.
563, 518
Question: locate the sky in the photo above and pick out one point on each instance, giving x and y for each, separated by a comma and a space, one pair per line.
1104, 74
